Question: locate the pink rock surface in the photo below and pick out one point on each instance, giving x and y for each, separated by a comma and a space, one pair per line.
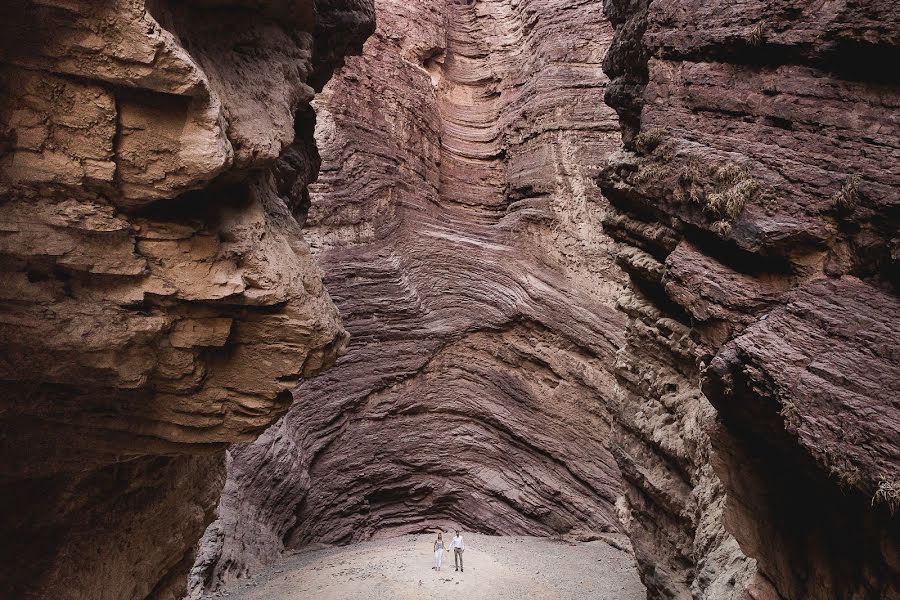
757, 211
459, 228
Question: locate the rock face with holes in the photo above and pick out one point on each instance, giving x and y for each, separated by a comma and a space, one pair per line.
158, 300
757, 213
459, 227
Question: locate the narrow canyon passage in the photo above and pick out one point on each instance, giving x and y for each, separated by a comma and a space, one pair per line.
288, 286
458, 225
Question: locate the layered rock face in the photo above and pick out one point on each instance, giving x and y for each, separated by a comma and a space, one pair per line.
459, 227
757, 214
158, 300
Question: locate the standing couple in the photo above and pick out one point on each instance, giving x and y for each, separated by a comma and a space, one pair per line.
457, 545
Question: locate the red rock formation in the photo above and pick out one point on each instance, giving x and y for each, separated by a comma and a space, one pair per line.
459, 230
158, 301
757, 212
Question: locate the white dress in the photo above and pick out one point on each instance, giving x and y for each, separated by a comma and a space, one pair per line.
438, 553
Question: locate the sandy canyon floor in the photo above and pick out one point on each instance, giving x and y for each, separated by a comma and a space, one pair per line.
496, 567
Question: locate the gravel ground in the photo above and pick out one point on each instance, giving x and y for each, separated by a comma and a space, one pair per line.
496, 567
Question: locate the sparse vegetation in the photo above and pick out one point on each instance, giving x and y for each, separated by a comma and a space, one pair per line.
690, 179
733, 188
847, 473
651, 171
659, 150
757, 35
648, 141
888, 494
730, 202
730, 173
790, 415
722, 228
847, 198
723, 189
691, 172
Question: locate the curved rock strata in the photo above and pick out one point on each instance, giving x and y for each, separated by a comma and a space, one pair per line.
757, 214
158, 300
459, 228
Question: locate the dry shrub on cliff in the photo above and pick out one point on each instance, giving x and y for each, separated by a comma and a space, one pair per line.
722, 228
732, 188
888, 493
729, 173
690, 182
649, 172
647, 141
757, 35
790, 415
731, 201
847, 198
848, 474
657, 147
735, 188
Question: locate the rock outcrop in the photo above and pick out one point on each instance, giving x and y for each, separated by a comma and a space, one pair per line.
158, 300
757, 214
459, 228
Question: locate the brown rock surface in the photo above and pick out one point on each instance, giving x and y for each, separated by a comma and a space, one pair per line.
757, 212
459, 229
158, 300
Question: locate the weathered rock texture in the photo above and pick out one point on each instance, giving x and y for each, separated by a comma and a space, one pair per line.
757, 212
459, 227
158, 300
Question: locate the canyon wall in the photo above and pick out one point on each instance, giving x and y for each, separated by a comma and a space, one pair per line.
756, 210
158, 300
459, 228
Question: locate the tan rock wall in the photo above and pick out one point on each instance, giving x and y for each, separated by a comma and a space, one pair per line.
158, 300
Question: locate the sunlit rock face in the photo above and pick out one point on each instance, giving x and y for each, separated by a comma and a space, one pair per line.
158, 300
757, 214
459, 227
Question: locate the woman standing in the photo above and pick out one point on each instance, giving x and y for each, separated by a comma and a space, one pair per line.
438, 552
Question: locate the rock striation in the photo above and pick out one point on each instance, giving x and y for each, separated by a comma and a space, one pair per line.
756, 212
459, 228
158, 300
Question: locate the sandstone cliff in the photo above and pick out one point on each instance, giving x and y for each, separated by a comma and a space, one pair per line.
158, 300
757, 214
460, 232
707, 357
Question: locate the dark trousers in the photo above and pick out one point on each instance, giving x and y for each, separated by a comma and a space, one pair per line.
457, 558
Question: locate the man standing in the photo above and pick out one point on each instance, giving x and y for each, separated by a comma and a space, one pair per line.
458, 547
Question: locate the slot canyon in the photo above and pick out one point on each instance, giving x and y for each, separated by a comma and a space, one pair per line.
617, 277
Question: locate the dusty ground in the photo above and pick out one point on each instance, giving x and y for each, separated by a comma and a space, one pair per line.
496, 567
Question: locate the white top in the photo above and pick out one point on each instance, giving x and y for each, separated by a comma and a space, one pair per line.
458, 543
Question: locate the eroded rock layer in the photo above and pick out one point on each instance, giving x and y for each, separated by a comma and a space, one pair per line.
757, 212
459, 227
158, 300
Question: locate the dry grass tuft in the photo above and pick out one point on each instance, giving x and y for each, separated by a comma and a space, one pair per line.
690, 182
888, 494
731, 201
730, 174
790, 415
732, 189
648, 141
722, 228
651, 172
757, 35
691, 172
847, 198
